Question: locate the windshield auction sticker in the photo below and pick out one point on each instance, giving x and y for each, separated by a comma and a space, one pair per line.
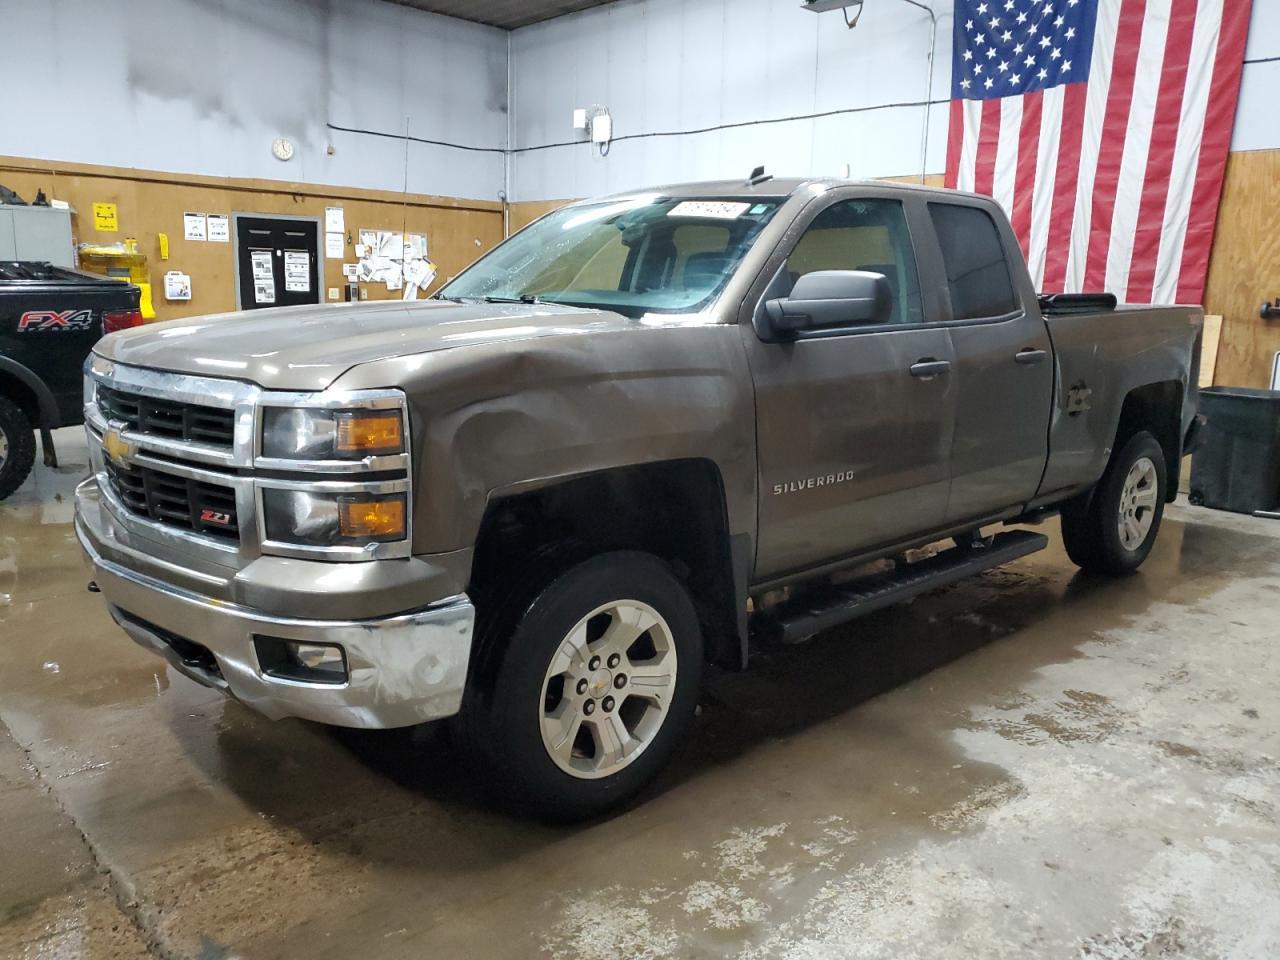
713, 209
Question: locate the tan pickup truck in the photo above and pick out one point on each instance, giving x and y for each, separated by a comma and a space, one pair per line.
636, 437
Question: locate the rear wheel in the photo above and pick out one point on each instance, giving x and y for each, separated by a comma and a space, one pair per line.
1116, 530
17, 447
589, 698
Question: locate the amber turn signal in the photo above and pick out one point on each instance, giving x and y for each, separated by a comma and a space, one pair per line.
370, 432
381, 519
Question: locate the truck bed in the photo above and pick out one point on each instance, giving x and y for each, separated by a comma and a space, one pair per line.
1100, 356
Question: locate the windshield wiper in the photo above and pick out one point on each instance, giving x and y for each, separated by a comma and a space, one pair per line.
523, 298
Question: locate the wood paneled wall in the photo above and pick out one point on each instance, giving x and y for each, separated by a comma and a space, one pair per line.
523, 214
151, 203
1244, 268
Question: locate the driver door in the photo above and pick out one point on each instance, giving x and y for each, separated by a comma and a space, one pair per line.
853, 445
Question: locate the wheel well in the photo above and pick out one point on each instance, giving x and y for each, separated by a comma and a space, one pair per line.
22, 395
1156, 407
674, 510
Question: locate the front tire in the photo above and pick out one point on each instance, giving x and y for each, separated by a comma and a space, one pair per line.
17, 447
1115, 530
588, 699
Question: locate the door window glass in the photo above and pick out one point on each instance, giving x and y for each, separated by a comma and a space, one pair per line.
869, 235
977, 273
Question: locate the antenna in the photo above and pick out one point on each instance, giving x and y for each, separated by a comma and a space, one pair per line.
758, 176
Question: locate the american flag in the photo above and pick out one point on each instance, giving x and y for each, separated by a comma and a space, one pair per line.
1102, 127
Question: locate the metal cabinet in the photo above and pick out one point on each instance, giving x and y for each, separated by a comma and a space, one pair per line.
36, 233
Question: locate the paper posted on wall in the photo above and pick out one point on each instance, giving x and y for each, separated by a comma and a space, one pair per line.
219, 228
418, 275
297, 271
194, 226
334, 246
333, 220
395, 259
264, 278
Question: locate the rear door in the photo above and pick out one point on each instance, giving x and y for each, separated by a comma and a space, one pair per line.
1003, 373
277, 261
853, 448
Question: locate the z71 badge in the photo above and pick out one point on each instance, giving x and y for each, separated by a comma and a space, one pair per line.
43, 321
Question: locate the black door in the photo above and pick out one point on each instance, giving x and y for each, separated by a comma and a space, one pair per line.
277, 261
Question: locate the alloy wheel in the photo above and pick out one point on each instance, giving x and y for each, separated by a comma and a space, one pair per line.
1138, 503
607, 689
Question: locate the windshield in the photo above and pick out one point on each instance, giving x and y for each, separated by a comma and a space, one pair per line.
634, 256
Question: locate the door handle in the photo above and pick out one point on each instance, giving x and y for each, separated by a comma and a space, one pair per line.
1029, 355
928, 367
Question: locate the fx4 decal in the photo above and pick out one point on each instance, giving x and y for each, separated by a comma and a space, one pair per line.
41, 321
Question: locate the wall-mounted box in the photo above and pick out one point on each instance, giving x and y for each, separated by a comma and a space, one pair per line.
36, 233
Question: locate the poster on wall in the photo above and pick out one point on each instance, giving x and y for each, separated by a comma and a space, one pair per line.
333, 220
297, 271
106, 218
194, 226
264, 278
219, 228
334, 246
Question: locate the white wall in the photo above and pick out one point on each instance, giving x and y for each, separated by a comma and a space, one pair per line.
204, 86
1257, 117
674, 65
677, 65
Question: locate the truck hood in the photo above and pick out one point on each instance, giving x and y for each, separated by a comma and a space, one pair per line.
308, 347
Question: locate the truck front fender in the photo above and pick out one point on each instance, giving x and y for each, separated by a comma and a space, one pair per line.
32, 395
490, 420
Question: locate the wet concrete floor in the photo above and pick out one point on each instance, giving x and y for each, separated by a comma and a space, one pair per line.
1031, 763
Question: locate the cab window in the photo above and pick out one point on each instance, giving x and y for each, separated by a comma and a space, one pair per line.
977, 272
869, 235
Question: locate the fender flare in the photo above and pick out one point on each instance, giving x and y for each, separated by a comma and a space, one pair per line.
45, 402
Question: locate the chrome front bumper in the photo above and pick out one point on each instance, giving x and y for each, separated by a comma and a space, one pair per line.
402, 669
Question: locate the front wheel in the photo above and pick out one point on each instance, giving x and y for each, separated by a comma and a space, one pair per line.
1116, 530
589, 698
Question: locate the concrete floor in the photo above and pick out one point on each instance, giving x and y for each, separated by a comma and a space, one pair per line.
1028, 764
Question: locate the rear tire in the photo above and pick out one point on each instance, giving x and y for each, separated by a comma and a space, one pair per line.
1114, 530
17, 447
589, 697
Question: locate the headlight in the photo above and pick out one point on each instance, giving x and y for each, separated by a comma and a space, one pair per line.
338, 519
290, 433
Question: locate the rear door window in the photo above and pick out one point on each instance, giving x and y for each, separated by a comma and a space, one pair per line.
978, 278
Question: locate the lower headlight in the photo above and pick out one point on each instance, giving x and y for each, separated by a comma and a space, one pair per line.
330, 520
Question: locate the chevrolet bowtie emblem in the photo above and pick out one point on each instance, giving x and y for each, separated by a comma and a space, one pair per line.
116, 446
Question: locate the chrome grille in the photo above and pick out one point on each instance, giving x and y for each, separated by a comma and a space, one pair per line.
205, 508
170, 419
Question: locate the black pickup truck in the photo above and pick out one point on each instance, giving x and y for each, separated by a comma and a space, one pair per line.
50, 318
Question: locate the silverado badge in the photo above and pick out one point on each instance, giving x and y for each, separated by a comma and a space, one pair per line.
116, 446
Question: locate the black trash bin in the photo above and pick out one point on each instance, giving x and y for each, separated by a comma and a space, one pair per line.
1237, 466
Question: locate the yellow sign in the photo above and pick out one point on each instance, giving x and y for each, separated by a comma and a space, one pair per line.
105, 217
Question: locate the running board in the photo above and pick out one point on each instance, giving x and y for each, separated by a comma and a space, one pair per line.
795, 621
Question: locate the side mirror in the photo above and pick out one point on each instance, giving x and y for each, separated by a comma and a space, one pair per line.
829, 298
